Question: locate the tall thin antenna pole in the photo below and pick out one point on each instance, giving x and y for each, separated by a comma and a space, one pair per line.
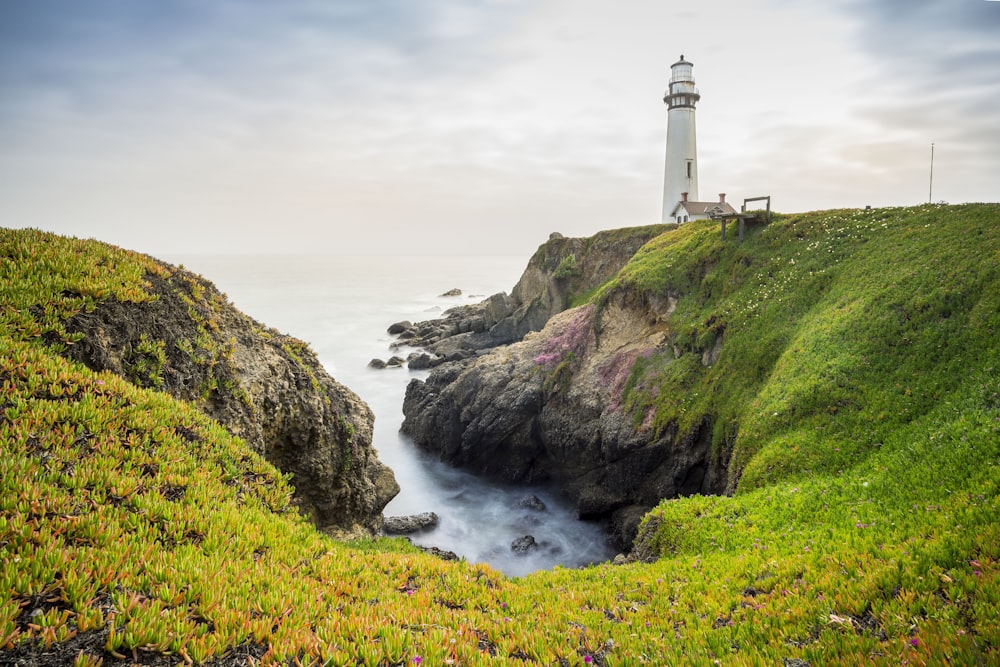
930, 190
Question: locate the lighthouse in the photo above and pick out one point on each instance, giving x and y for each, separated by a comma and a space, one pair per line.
680, 177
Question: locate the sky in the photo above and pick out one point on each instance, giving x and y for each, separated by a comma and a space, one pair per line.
474, 127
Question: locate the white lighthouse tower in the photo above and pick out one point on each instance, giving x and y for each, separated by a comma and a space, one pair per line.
680, 178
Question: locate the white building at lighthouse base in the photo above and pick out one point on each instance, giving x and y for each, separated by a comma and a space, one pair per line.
686, 211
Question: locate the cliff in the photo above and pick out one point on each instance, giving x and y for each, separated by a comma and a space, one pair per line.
707, 366
561, 270
168, 329
547, 408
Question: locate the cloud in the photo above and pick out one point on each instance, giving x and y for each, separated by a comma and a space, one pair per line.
939, 61
932, 44
433, 122
216, 118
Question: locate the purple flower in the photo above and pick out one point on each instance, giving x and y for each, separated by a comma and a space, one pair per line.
571, 340
914, 642
587, 659
417, 660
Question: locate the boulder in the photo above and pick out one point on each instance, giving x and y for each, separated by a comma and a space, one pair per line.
453, 292
524, 545
533, 503
409, 524
440, 553
417, 361
399, 327
376, 363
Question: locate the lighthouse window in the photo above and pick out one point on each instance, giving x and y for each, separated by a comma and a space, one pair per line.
689, 170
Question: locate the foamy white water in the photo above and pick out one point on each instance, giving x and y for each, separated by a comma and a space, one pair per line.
342, 306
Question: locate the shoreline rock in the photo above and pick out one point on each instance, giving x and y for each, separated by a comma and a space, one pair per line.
533, 503
524, 545
440, 553
409, 524
399, 327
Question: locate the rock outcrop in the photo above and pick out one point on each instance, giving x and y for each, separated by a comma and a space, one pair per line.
265, 387
549, 409
559, 270
524, 545
410, 523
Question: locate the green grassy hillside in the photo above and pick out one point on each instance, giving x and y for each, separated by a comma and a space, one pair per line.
857, 387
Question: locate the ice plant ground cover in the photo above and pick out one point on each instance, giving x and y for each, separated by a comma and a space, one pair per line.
858, 385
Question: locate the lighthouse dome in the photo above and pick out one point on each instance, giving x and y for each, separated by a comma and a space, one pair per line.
682, 70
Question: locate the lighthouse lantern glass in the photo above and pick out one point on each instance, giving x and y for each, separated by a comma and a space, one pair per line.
683, 73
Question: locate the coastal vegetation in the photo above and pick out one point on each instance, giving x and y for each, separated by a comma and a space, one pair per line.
854, 388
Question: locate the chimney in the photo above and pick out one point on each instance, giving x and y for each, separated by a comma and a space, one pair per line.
722, 197
684, 196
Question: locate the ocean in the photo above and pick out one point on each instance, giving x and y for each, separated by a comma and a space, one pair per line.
342, 307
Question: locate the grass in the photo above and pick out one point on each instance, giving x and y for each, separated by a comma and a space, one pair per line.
856, 388
833, 323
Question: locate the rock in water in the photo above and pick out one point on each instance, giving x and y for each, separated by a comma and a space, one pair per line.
399, 327
533, 503
409, 524
524, 545
265, 387
453, 292
417, 361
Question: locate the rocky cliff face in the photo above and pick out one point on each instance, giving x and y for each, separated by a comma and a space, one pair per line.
549, 408
565, 268
265, 387
560, 269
